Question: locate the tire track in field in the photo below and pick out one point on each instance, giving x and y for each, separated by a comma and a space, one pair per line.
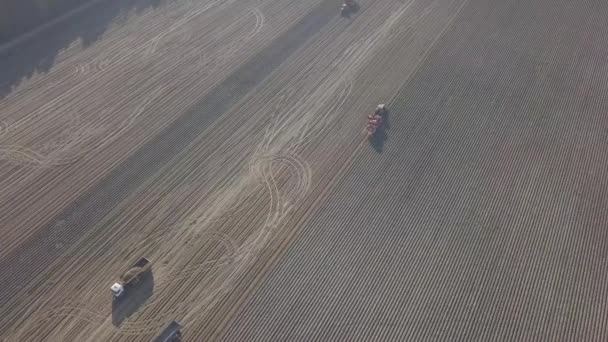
264, 165
153, 43
208, 64
270, 165
339, 76
85, 309
449, 325
280, 206
3, 128
276, 212
121, 59
407, 25
148, 23
287, 160
363, 43
234, 261
21, 154
24, 156
247, 254
95, 66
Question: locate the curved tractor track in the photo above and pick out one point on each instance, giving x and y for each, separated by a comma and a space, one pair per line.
53, 141
220, 211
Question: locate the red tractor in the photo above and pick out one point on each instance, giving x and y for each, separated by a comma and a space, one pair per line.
375, 121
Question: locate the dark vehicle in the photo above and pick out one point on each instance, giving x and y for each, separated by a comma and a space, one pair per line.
172, 333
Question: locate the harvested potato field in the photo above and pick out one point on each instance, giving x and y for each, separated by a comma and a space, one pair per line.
224, 141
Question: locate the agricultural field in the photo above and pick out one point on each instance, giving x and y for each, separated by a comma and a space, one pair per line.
224, 141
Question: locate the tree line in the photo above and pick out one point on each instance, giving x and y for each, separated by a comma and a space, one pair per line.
19, 16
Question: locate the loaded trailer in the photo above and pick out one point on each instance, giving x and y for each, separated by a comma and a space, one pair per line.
130, 277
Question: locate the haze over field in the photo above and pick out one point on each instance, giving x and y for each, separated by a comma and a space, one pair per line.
225, 142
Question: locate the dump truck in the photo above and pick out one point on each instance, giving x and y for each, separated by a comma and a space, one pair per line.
130, 277
172, 333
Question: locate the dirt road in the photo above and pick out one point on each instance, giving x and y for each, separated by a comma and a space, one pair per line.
223, 140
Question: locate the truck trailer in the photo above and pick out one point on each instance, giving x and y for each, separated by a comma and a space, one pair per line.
130, 277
